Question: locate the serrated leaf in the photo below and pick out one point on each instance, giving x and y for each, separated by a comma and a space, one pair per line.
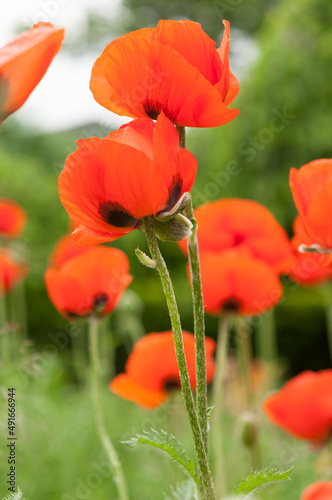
184, 491
15, 496
257, 479
170, 445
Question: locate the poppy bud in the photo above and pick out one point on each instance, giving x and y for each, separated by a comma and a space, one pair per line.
145, 259
173, 228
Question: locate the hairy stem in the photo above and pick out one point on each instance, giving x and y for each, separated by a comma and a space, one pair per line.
117, 471
205, 474
218, 403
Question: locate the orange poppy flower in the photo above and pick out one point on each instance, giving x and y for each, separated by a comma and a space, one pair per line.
12, 271
12, 218
108, 185
311, 187
309, 268
243, 225
175, 68
321, 490
303, 407
90, 283
151, 369
65, 249
23, 63
237, 283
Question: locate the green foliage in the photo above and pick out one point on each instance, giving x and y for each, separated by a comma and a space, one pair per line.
257, 479
170, 445
15, 496
184, 491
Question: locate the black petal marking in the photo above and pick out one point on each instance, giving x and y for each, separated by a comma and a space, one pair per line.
99, 302
174, 193
116, 215
171, 383
231, 305
153, 109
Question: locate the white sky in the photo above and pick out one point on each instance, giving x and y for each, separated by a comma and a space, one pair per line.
62, 99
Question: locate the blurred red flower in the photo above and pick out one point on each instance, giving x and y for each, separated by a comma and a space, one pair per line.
321, 490
311, 187
152, 370
236, 283
90, 283
245, 226
309, 268
12, 270
23, 63
303, 407
175, 68
108, 185
65, 249
12, 218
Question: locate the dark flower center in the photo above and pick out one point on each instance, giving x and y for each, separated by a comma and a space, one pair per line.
171, 383
231, 305
153, 108
116, 215
174, 192
99, 302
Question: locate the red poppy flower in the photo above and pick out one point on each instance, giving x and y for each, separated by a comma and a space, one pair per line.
65, 249
237, 283
23, 63
152, 370
174, 68
321, 490
108, 185
243, 225
309, 268
12, 218
311, 187
12, 271
90, 283
303, 407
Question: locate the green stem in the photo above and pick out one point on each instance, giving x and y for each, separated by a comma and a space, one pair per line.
206, 478
218, 403
244, 359
267, 346
199, 323
118, 475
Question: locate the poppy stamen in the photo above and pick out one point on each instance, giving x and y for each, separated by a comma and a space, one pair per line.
153, 109
116, 215
99, 302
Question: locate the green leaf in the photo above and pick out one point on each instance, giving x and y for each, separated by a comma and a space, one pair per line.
15, 496
184, 491
257, 479
170, 445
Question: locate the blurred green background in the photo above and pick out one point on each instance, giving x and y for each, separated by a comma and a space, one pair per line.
282, 54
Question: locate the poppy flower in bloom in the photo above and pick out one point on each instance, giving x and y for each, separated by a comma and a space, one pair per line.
12, 218
245, 226
175, 68
12, 271
303, 407
321, 490
309, 268
152, 370
311, 187
237, 283
108, 185
65, 249
23, 63
90, 283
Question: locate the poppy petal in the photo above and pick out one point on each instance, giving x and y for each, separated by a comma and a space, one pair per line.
128, 388
23, 63
12, 218
321, 490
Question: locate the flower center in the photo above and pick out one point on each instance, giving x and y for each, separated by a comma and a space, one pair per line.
153, 108
116, 215
231, 305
